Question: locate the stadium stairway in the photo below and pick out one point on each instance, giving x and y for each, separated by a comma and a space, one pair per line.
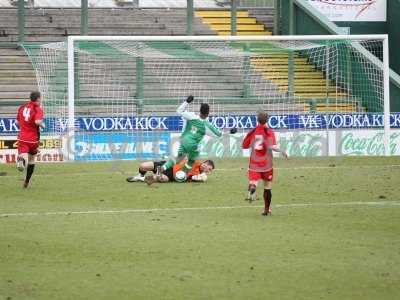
17, 80
309, 85
17, 77
220, 22
54, 24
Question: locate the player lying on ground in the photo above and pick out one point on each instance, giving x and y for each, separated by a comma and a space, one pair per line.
194, 129
30, 120
198, 172
261, 141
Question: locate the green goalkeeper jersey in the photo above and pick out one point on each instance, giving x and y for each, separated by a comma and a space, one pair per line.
195, 128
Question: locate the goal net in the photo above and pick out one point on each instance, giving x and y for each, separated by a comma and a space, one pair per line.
116, 97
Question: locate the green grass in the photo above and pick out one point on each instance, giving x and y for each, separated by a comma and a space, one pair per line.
320, 251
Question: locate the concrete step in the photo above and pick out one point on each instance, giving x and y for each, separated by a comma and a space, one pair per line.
199, 74
152, 83
76, 26
7, 20
39, 39
16, 73
16, 66
94, 96
19, 87
17, 80
9, 107
265, 19
10, 21
152, 29
93, 12
142, 32
12, 52
21, 95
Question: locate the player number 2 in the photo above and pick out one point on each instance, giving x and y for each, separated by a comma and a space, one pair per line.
26, 113
259, 142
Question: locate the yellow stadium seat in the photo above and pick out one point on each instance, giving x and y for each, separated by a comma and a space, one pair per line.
210, 21
309, 82
239, 27
220, 14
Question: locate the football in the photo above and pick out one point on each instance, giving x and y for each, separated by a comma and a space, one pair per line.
180, 176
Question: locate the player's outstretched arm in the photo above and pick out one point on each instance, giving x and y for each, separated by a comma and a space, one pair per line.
277, 149
183, 112
189, 99
211, 130
40, 123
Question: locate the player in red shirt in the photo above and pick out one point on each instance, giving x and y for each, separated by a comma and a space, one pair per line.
261, 141
30, 119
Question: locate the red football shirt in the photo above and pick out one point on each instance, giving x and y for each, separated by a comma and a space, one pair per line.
26, 117
259, 141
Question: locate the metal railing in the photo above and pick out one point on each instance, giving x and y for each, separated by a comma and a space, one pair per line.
247, 3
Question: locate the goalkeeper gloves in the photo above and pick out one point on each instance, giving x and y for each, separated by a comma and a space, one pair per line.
189, 99
202, 177
233, 130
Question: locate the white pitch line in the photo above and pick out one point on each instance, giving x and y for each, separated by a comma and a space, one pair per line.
317, 167
147, 210
244, 169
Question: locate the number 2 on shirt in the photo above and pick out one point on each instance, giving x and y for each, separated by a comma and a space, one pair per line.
258, 142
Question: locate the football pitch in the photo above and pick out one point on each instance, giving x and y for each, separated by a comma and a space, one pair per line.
82, 232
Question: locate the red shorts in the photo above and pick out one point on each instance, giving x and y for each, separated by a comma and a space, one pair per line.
30, 148
255, 176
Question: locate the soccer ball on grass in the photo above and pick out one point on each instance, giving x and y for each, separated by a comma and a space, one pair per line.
180, 176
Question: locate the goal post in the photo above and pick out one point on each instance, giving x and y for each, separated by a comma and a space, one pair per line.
386, 96
306, 83
71, 101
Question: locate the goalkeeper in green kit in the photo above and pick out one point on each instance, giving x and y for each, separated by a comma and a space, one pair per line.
195, 127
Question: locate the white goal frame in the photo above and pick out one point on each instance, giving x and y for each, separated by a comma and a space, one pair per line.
384, 65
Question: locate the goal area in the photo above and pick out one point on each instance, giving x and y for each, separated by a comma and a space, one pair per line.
110, 97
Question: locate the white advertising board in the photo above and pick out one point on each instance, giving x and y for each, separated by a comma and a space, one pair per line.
352, 10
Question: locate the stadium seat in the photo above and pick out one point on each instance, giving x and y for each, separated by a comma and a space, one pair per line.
220, 21
17, 77
43, 25
309, 82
